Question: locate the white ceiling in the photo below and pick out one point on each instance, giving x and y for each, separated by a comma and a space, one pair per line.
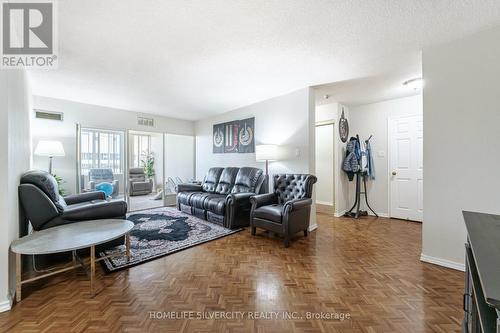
194, 58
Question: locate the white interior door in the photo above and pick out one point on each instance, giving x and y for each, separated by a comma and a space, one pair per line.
406, 168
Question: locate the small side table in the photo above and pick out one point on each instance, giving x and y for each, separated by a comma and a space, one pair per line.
70, 237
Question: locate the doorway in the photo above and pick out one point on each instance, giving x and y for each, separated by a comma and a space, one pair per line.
145, 170
406, 180
325, 188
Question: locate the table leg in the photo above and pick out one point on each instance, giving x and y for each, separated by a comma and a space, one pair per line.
127, 245
92, 271
18, 277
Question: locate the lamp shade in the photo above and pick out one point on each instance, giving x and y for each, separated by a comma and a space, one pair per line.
266, 153
49, 148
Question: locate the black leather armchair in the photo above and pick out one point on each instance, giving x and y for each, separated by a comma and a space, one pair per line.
43, 207
287, 210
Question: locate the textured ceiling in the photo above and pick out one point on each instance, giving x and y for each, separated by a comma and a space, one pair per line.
192, 59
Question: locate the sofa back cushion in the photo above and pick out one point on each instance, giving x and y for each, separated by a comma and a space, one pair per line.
293, 186
101, 175
47, 184
136, 174
226, 181
212, 179
248, 180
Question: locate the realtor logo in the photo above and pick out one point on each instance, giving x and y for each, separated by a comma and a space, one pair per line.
28, 34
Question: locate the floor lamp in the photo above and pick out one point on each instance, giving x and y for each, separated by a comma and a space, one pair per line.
49, 149
266, 153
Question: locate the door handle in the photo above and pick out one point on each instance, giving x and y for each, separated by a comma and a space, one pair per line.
394, 173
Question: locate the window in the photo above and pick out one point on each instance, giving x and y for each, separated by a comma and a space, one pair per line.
140, 149
101, 149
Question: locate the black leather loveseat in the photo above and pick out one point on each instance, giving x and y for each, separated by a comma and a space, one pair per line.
224, 195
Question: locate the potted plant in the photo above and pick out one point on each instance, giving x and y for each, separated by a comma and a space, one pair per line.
148, 163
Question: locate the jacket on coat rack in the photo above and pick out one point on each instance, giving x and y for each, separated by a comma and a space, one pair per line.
371, 164
351, 160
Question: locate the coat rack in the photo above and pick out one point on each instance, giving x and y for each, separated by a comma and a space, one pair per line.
360, 177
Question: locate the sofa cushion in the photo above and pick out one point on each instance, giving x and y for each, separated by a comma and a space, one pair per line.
198, 199
269, 212
226, 180
247, 180
216, 204
212, 179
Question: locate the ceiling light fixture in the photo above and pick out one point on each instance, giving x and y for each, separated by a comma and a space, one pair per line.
415, 84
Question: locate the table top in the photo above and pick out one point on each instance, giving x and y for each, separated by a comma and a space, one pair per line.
73, 236
484, 238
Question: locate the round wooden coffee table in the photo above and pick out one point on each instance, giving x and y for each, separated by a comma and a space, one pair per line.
70, 237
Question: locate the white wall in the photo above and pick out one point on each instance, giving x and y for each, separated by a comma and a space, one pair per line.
286, 120
324, 164
372, 119
15, 103
179, 159
461, 137
333, 112
89, 116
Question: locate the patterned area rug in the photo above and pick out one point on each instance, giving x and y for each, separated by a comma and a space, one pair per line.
160, 232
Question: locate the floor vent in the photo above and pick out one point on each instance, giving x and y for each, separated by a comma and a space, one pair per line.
50, 115
143, 121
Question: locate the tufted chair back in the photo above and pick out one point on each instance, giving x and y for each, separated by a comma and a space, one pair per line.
212, 179
248, 180
226, 180
293, 186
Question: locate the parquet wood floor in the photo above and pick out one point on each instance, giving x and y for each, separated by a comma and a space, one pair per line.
368, 268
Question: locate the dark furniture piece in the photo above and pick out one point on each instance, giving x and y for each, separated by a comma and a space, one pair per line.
43, 207
97, 176
138, 183
482, 278
223, 197
287, 210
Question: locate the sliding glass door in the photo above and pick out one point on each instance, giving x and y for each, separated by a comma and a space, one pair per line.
145, 170
101, 161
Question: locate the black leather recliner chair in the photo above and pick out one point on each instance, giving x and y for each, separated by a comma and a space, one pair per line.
43, 207
224, 195
286, 211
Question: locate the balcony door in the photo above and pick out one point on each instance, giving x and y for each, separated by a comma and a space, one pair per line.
101, 161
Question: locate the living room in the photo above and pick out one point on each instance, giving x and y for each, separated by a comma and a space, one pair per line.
253, 173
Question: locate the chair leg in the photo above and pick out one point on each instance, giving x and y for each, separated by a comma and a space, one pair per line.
287, 241
305, 232
254, 231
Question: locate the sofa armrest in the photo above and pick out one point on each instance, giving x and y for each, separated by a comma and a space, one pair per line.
188, 188
101, 210
263, 200
84, 197
239, 199
296, 204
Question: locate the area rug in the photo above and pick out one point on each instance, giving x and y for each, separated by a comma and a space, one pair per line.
160, 232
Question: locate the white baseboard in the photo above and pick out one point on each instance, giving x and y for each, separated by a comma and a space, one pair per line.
379, 214
6, 305
324, 203
313, 227
442, 262
339, 214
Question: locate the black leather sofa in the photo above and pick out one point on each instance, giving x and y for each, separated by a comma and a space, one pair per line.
224, 195
43, 207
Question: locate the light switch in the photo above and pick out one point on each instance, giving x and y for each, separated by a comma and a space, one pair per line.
381, 153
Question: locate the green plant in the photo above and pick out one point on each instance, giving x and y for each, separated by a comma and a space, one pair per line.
148, 164
60, 182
